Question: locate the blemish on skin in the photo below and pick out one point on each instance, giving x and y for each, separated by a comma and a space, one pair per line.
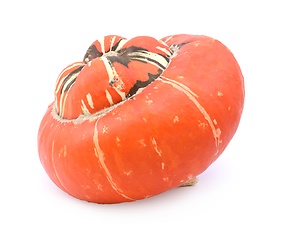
109, 97
142, 142
99, 186
65, 151
128, 173
220, 94
96, 154
90, 100
149, 101
105, 129
218, 132
159, 152
165, 179
203, 125
189, 177
118, 140
176, 119
84, 108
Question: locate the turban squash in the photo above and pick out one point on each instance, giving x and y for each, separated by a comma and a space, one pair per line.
138, 117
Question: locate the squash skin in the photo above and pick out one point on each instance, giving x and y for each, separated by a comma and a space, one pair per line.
167, 134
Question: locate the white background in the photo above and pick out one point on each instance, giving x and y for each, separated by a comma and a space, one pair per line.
238, 197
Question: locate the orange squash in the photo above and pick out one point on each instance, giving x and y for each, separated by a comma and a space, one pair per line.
138, 117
